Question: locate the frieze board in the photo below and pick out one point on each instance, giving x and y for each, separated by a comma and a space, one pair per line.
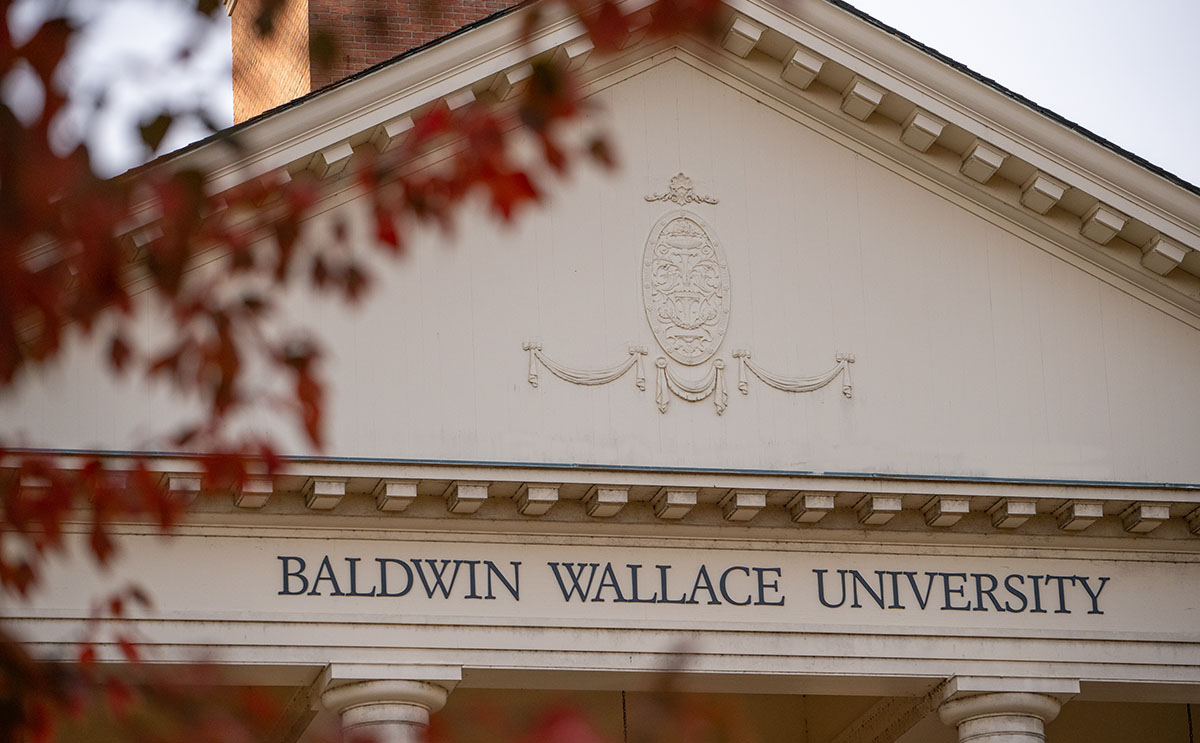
481, 626
576, 583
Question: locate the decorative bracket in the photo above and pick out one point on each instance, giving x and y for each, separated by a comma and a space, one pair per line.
794, 384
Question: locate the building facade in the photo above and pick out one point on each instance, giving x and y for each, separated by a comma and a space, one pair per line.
855, 395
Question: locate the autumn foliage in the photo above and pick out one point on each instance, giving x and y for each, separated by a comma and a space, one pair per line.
82, 256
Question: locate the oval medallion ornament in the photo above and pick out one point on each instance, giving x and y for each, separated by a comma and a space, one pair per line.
685, 287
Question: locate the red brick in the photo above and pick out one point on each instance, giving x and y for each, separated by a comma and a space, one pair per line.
270, 71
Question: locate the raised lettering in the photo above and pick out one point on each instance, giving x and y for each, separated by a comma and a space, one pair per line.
707, 586
960, 591
773, 585
724, 587
608, 579
297, 573
439, 576
1037, 594
922, 601
857, 580
1062, 593
895, 589
1015, 592
633, 573
514, 588
821, 588
471, 583
354, 577
325, 572
574, 574
408, 576
980, 591
1094, 596
662, 579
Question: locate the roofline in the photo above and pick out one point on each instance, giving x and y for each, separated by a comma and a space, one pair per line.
1048, 113
1162, 216
1136, 159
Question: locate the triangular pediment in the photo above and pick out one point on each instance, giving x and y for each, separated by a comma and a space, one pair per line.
820, 60
884, 307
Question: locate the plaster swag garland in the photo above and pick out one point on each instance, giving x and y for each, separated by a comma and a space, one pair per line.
713, 383
794, 384
585, 376
668, 383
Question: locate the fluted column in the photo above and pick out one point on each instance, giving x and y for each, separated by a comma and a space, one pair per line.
385, 711
1001, 717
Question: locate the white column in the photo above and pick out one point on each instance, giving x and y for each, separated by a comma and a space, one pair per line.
385, 710
1001, 717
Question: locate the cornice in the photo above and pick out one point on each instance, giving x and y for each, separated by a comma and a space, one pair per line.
732, 499
1019, 129
1155, 216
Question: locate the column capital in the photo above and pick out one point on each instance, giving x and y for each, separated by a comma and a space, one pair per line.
1062, 689
1006, 703
345, 696
994, 709
394, 701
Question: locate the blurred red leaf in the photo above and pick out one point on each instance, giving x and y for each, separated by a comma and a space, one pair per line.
128, 649
46, 47
138, 596
39, 722
101, 544
87, 654
607, 26
385, 229
510, 191
564, 724
119, 696
119, 352
601, 152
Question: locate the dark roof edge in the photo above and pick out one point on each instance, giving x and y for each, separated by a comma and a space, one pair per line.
1061, 120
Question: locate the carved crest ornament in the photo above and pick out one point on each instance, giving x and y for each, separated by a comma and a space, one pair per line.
685, 288
686, 298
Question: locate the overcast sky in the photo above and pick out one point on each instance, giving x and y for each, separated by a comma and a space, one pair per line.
1127, 71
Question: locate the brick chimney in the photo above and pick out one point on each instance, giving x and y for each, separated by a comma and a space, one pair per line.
315, 42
